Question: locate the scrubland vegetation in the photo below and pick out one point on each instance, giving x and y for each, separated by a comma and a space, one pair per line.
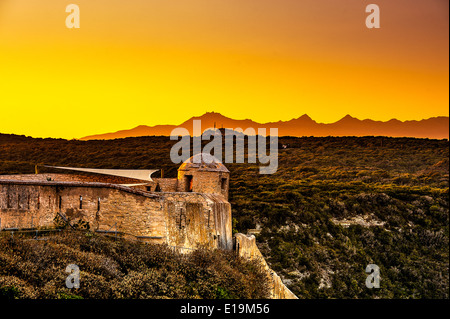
111, 268
334, 206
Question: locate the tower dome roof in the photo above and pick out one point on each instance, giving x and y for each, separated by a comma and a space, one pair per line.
203, 162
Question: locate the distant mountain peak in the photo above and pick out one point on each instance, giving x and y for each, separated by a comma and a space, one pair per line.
209, 116
306, 117
348, 117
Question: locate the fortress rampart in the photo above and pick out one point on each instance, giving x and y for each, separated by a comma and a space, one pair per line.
187, 220
187, 212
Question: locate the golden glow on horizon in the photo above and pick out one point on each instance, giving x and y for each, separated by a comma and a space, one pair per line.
161, 62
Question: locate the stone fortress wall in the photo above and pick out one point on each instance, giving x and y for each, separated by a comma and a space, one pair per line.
245, 246
187, 220
187, 212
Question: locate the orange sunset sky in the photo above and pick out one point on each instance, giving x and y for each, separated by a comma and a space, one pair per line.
149, 62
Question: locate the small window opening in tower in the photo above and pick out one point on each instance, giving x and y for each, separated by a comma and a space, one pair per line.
224, 183
188, 183
81, 202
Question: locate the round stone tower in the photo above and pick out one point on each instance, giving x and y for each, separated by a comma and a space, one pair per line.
203, 173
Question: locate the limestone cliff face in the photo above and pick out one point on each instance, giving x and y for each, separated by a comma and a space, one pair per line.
246, 247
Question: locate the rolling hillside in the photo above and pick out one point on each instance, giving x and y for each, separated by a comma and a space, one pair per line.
335, 205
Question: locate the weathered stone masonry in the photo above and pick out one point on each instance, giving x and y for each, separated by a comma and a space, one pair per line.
187, 220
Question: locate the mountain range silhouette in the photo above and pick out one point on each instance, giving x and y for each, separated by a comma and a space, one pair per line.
434, 128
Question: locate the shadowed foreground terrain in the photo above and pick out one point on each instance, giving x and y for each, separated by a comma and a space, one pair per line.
335, 205
109, 268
